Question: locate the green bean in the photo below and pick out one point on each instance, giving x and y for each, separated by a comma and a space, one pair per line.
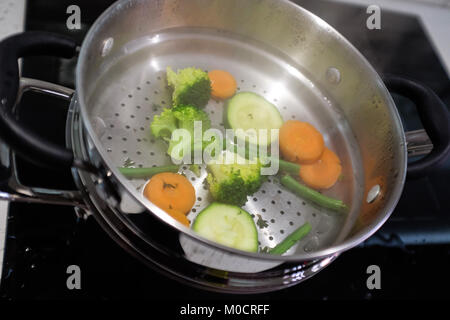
312, 195
291, 239
288, 167
143, 173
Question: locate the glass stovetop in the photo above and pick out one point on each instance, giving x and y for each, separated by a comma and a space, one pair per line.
43, 240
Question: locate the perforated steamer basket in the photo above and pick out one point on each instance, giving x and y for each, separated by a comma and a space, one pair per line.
135, 90
273, 48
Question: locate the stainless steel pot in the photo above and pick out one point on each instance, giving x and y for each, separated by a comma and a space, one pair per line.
273, 47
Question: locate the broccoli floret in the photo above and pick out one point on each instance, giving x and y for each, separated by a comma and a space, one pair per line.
229, 190
232, 183
180, 117
163, 124
186, 117
191, 86
187, 114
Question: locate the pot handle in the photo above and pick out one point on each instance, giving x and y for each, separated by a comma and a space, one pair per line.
435, 118
18, 137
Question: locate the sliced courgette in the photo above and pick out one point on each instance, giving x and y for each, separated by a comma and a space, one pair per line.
248, 110
228, 225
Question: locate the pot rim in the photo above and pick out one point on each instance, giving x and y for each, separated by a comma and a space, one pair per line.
346, 244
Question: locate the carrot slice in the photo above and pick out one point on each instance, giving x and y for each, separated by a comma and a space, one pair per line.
324, 173
223, 84
300, 142
180, 217
172, 192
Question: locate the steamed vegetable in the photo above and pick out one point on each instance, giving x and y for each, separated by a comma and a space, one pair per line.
164, 124
291, 239
173, 193
228, 225
142, 173
179, 117
190, 86
233, 182
312, 195
300, 142
249, 111
323, 173
223, 84
287, 167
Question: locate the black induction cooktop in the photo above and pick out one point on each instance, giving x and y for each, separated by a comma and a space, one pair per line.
412, 249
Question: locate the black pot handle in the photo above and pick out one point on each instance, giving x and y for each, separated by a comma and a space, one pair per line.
435, 118
18, 137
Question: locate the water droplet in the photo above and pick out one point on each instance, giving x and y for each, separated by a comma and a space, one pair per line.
333, 75
312, 244
127, 163
324, 225
99, 126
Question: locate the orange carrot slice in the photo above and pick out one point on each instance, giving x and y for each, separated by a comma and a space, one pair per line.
324, 173
223, 84
300, 142
180, 217
172, 192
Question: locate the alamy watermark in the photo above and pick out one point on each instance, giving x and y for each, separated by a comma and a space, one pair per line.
374, 20
73, 22
241, 147
374, 280
74, 279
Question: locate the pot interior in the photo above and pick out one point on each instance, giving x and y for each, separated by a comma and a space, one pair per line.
272, 48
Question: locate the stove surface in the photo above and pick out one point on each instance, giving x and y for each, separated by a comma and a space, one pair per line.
412, 249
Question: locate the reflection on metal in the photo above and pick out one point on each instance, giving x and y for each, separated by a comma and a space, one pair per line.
202, 254
333, 75
418, 143
107, 46
27, 84
12, 188
373, 193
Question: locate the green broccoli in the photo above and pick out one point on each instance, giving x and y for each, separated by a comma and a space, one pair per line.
164, 124
180, 117
187, 114
232, 182
191, 86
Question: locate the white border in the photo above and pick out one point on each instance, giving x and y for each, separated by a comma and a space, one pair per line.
12, 20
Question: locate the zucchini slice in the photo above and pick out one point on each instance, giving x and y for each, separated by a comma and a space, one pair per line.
228, 225
248, 110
